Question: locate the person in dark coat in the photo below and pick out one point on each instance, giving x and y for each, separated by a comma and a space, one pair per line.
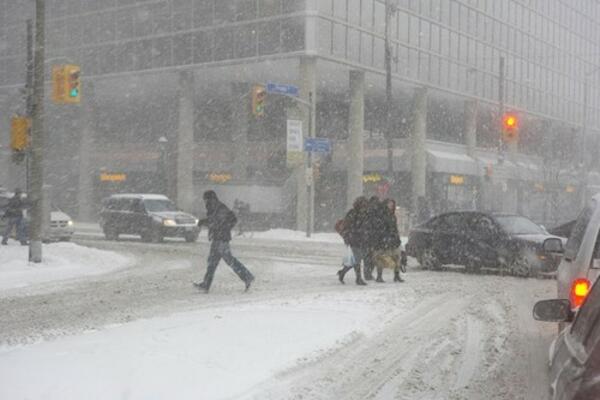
220, 221
375, 221
14, 215
352, 230
387, 253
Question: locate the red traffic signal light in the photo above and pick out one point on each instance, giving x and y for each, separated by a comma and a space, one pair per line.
510, 127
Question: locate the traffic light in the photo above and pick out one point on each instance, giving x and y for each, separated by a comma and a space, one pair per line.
66, 84
73, 74
510, 128
19, 133
259, 95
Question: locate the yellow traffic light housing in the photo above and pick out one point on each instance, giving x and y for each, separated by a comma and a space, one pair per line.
66, 84
259, 94
19, 133
510, 128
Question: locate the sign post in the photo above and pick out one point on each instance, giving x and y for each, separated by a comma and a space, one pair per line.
294, 143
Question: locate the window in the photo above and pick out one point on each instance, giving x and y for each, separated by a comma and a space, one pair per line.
574, 242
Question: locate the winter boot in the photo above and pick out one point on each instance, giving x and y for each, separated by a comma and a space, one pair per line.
248, 282
397, 277
201, 286
359, 280
379, 275
342, 272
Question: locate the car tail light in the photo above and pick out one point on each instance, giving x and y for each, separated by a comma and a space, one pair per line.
579, 291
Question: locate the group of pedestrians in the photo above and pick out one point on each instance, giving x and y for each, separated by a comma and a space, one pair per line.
370, 229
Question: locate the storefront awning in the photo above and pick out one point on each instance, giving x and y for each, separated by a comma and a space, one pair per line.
451, 163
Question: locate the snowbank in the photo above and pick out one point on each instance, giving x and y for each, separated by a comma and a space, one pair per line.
61, 261
218, 353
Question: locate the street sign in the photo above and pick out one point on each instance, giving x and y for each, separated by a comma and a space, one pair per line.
295, 156
286, 90
317, 145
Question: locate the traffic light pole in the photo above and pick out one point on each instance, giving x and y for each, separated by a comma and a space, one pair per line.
501, 79
37, 136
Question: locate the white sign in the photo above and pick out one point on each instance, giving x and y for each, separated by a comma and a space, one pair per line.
295, 143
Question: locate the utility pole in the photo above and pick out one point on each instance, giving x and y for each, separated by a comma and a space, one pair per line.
501, 80
389, 9
37, 136
29, 96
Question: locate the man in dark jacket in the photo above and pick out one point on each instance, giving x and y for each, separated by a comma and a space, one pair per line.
220, 221
14, 215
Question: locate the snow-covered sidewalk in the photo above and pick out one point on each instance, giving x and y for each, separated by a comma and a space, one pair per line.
61, 261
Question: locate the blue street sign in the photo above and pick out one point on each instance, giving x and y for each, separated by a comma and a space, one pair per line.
317, 145
287, 90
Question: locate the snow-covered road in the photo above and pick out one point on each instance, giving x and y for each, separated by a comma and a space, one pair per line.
300, 334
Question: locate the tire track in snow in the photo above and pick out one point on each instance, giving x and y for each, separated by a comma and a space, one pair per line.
473, 352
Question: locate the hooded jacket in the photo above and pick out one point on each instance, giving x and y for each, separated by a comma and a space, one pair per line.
219, 219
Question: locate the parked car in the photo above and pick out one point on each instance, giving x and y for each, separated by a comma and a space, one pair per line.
580, 265
476, 240
575, 353
151, 216
61, 227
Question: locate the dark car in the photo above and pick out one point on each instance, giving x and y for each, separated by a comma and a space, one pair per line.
475, 240
575, 353
151, 216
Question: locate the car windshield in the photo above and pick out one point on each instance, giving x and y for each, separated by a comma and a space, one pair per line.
159, 205
519, 225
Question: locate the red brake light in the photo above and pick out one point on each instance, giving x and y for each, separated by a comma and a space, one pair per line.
579, 291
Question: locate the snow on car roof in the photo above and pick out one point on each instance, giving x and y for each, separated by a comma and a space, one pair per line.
144, 196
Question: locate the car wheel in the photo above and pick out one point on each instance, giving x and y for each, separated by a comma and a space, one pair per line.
65, 239
111, 234
191, 237
520, 266
473, 266
428, 260
156, 236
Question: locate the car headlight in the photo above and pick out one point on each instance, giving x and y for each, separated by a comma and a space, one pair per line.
70, 222
169, 222
196, 220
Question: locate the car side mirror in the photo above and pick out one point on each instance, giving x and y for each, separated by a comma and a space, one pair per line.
557, 310
553, 245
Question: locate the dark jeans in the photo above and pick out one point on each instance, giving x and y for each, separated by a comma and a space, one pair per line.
218, 250
19, 224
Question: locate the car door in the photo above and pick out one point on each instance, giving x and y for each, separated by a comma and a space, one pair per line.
447, 238
572, 359
480, 241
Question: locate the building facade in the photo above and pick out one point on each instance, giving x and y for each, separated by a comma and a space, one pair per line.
181, 70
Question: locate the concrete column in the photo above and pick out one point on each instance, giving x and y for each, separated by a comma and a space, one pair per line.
471, 110
85, 193
5, 152
418, 148
184, 148
355, 156
308, 84
239, 135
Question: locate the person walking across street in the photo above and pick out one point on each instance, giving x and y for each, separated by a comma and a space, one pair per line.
352, 230
14, 215
376, 216
220, 221
387, 253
